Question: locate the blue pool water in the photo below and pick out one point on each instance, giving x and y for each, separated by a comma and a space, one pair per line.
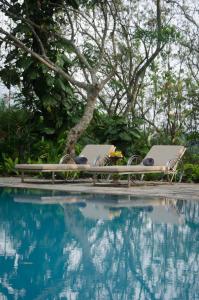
68, 246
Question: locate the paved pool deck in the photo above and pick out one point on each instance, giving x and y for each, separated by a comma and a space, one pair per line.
185, 191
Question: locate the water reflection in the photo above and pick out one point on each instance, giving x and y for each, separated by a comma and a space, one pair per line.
97, 247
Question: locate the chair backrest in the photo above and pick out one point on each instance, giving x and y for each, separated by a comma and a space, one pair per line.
163, 154
96, 153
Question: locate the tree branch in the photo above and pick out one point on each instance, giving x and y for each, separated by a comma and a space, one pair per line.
43, 60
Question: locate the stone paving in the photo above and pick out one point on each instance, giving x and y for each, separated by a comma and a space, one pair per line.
186, 191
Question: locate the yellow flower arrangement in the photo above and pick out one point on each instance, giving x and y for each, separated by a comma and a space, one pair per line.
116, 154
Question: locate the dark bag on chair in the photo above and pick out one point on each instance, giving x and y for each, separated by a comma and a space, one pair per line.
81, 160
148, 161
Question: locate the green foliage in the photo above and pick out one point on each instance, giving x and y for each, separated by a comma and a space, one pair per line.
7, 166
44, 92
167, 33
114, 130
191, 173
16, 132
22, 138
47, 151
91, 53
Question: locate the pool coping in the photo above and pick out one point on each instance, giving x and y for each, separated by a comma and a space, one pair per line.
188, 191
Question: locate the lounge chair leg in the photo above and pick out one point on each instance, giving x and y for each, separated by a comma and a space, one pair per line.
170, 179
129, 180
22, 176
53, 177
94, 179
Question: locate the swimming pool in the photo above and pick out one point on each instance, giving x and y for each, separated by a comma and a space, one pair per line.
55, 245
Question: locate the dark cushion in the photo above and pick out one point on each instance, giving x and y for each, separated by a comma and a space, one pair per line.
148, 161
81, 160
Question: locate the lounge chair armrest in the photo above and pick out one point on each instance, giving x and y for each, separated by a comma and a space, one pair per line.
97, 161
134, 160
66, 159
172, 164
176, 166
102, 162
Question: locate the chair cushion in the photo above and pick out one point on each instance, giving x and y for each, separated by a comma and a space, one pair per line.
127, 169
51, 167
148, 161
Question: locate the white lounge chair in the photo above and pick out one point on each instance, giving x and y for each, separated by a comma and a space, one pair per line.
95, 154
166, 159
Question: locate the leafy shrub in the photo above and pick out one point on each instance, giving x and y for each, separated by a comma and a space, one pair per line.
17, 133
115, 130
191, 173
7, 167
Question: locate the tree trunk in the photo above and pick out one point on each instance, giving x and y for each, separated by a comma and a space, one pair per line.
75, 132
